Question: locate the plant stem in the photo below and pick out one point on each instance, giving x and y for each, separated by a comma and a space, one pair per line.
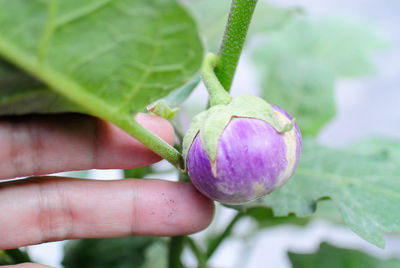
218, 94
214, 244
151, 141
201, 260
233, 40
175, 251
18, 256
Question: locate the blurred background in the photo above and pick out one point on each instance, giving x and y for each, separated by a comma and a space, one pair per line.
347, 53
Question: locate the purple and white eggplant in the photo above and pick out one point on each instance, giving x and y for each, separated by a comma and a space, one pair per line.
238, 152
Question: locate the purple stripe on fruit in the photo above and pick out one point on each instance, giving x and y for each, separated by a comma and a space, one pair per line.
253, 159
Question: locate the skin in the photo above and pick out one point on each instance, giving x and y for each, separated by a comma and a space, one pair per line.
42, 209
252, 160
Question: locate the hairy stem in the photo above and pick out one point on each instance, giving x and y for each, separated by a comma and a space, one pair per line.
175, 251
201, 259
18, 256
151, 141
214, 244
217, 93
233, 40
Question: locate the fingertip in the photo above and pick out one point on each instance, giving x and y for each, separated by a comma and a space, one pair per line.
195, 211
171, 208
202, 208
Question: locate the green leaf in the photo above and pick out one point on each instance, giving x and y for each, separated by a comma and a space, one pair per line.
304, 88
20, 93
124, 252
265, 218
123, 54
386, 150
176, 97
5, 259
333, 257
110, 58
299, 65
365, 188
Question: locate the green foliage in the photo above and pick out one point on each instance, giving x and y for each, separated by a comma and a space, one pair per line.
124, 252
365, 188
109, 58
20, 93
298, 65
137, 173
14, 256
265, 217
178, 96
333, 257
384, 149
5, 259
212, 16
125, 53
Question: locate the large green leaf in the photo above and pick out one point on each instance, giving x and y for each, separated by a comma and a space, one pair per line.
298, 65
111, 58
333, 257
20, 93
364, 187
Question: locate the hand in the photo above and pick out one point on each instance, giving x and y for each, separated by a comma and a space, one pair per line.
42, 209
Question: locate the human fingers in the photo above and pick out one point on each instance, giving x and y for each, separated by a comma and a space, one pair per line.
37, 145
49, 209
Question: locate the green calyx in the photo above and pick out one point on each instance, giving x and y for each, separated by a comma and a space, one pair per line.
210, 124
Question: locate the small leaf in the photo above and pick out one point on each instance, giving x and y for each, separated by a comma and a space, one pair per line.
365, 188
333, 257
162, 109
